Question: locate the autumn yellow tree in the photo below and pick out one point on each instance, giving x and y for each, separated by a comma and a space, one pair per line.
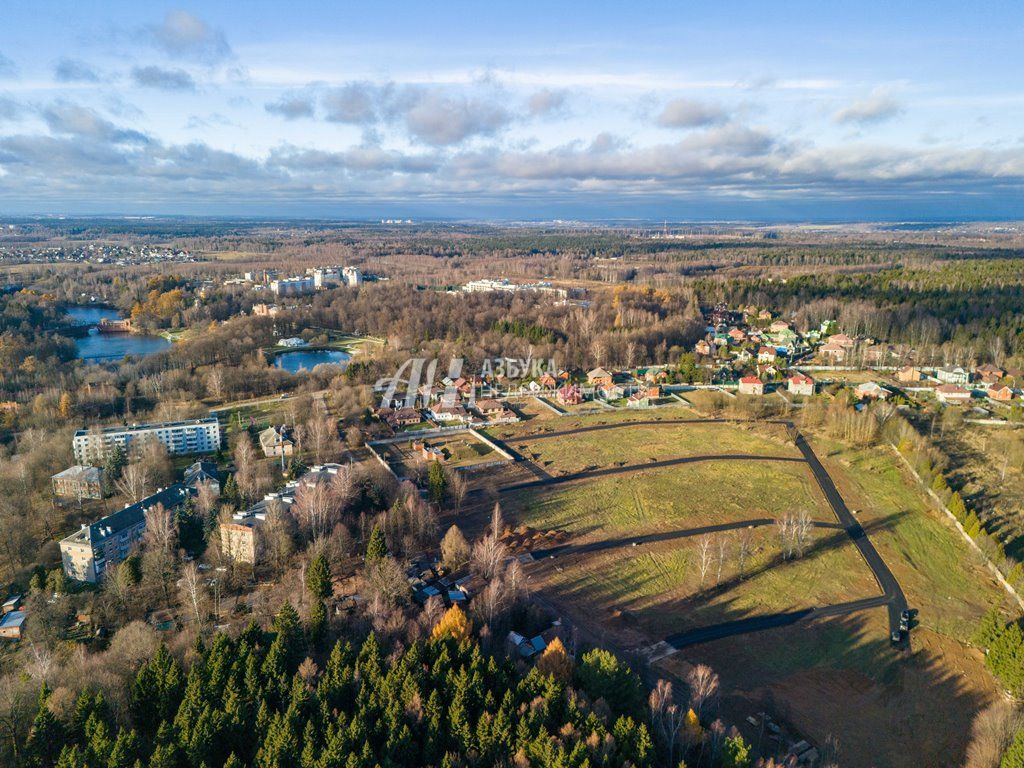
453, 624
555, 661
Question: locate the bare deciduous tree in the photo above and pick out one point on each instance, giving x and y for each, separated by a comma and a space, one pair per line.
490, 552
133, 483
193, 592
991, 733
703, 683
321, 438
667, 717
704, 544
743, 547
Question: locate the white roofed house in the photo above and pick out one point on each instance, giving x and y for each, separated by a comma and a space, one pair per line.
952, 394
870, 390
448, 412
952, 374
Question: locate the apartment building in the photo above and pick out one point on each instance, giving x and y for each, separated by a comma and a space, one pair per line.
178, 437
78, 482
91, 551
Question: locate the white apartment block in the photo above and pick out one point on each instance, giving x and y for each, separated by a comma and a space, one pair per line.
352, 276
293, 286
178, 437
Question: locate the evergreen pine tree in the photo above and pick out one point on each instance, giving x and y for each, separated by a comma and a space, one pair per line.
318, 578
46, 737
989, 628
436, 482
376, 548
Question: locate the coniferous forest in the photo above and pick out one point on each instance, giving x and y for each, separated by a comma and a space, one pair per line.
260, 700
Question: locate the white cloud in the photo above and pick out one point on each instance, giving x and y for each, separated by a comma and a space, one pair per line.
688, 113
163, 79
181, 35
875, 108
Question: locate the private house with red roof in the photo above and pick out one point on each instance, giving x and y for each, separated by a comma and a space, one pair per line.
738, 336
766, 354
833, 352
800, 384
751, 385
1000, 393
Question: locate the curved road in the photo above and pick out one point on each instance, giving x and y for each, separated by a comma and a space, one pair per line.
892, 594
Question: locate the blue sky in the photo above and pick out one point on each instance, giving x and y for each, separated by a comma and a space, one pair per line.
788, 111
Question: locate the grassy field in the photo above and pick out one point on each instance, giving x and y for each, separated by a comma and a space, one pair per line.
653, 442
828, 676
530, 410
666, 499
657, 588
941, 575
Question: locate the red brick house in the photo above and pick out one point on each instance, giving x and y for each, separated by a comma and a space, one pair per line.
570, 394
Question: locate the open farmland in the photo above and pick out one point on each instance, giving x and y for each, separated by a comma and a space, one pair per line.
604, 492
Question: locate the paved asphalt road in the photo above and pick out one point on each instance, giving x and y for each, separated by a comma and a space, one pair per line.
895, 599
892, 595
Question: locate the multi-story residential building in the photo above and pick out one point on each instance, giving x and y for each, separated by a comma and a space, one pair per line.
352, 276
91, 551
78, 482
241, 538
293, 286
178, 437
325, 277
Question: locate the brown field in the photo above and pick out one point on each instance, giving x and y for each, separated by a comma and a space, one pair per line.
834, 676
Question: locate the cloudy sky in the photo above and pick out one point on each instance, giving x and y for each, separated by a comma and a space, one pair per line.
686, 111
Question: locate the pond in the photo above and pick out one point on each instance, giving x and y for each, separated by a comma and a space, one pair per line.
99, 347
91, 315
308, 359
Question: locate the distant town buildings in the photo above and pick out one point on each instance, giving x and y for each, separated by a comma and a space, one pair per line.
293, 286
178, 437
315, 279
507, 286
